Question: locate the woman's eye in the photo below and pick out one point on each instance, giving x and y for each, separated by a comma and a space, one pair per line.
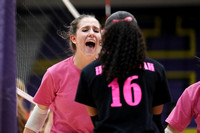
84, 30
97, 31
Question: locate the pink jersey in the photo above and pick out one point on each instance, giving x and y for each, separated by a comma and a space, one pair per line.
58, 89
187, 106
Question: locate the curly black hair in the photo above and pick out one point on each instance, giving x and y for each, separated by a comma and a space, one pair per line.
123, 49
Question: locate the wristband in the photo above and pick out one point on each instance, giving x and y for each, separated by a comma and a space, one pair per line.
168, 131
36, 119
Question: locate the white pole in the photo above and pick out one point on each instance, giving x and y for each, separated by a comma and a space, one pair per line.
71, 8
25, 95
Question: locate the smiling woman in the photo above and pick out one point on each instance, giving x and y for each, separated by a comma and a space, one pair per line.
59, 84
87, 38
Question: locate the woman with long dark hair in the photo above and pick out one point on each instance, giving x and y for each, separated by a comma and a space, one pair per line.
124, 90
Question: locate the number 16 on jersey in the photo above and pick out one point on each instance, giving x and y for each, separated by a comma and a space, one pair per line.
127, 92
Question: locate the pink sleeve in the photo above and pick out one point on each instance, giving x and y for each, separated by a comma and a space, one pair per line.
181, 115
46, 92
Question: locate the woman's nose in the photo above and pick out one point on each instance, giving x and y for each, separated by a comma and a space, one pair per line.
91, 33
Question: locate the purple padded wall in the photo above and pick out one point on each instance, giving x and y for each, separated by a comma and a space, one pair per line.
8, 120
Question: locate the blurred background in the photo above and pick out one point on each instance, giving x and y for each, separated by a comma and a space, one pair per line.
171, 29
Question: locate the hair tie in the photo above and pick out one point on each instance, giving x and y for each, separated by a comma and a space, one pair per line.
129, 19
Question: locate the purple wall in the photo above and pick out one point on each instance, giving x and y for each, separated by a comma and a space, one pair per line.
8, 120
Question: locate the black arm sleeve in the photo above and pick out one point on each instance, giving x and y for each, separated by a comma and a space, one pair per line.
157, 120
94, 118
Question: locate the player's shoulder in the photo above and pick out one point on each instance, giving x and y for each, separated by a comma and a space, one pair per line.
156, 63
195, 87
62, 65
92, 64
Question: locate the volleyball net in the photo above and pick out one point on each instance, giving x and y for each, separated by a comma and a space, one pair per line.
38, 44
29, 45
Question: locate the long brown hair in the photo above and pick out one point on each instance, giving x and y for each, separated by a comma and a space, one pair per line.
21, 111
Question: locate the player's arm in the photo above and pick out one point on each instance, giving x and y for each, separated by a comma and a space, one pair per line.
36, 119
92, 113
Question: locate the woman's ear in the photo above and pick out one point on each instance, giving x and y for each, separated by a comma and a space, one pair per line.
73, 38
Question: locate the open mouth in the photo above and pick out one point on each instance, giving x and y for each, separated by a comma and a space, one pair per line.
90, 44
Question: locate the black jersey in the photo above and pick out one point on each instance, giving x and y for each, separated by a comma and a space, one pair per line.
124, 105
